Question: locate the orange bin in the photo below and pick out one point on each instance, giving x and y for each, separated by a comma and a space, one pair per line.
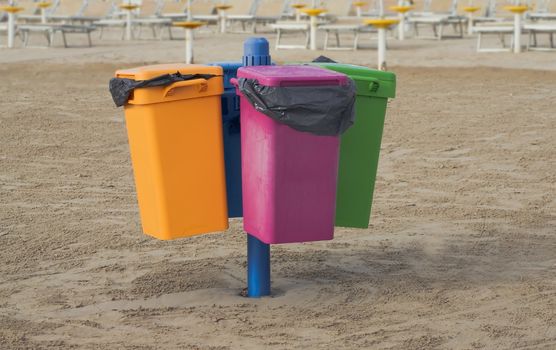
175, 140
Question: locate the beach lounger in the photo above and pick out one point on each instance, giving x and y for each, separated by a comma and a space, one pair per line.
242, 12
425, 8
49, 31
489, 13
63, 10
204, 10
372, 8
336, 29
269, 12
438, 21
149, 16
341, 22
104, 14
291, 27
31, 12
334, 10
544, 10
83, 12
535, 29
146, 15
537, 16
173, 9
500, 30
505, 27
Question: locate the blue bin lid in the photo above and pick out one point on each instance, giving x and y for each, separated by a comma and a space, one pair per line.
230, 71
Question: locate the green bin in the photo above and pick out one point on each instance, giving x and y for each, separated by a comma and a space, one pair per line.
360, 145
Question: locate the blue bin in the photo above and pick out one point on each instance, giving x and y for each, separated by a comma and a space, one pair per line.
232, 139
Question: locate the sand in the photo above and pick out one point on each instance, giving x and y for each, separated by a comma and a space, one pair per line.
460, 252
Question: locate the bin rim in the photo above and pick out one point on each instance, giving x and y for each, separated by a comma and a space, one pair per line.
369, 82
152, 71
299, 75
354, 69
178, 90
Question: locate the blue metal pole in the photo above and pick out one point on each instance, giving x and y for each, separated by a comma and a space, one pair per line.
258, 267
256, 53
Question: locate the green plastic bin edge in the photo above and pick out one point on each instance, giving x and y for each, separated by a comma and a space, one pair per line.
369, 82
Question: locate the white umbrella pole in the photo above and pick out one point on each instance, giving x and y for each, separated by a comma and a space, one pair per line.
222, 21
517, 32
313, 32
43, 15
358, 11
189, 36
401, 26
11, 29
188, 45
128, 25
382, 48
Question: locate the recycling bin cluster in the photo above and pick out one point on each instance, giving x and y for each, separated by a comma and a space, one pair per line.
293, 149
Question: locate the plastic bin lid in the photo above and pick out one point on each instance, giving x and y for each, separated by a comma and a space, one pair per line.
292, 75
149, 72
369, 82
230, 71
194, 88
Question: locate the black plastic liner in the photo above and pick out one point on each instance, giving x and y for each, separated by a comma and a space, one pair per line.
121, 88
326, 110
323, 59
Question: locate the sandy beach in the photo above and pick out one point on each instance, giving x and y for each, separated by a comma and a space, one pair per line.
460, 252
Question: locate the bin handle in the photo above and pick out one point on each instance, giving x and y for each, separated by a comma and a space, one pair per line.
234, 82
169, 90
374, 83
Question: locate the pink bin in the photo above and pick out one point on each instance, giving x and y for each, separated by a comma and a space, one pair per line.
289, 176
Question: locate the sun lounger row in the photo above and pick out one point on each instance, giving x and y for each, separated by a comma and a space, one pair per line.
341, 18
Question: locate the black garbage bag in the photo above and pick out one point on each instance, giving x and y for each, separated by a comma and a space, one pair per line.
121, 88
326, 110
323, 59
